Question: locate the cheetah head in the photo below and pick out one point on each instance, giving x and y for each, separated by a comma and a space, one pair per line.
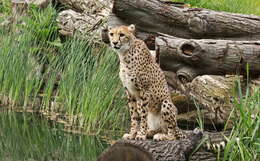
121, 36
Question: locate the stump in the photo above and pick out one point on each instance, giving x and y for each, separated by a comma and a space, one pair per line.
19, 8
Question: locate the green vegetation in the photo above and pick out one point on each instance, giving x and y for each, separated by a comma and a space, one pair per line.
244, 142
236, 6
25, 137
32, 60
82, 78
5, 7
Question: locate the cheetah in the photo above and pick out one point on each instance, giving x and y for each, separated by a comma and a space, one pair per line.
152, 112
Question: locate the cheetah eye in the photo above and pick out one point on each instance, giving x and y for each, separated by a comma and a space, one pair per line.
121, 35
111, 34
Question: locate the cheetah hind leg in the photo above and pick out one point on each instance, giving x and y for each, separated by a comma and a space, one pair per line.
168, 114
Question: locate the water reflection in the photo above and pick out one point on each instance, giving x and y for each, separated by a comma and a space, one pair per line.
26, 137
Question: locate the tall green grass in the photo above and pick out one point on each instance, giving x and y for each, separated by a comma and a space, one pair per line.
80, 77
235, 6
244, 142
5, 7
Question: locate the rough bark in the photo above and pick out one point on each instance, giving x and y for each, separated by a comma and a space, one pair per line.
19, 8
190, 57
89, 6
148, 150
214, 142
82, 25
188, 149
214, 96
209, 97
203, 156
86, 20
156, 16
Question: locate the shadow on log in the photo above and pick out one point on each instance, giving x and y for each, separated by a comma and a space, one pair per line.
148, 150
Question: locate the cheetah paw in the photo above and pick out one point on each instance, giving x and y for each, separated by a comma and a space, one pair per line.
140, 137
151, 133
181, 135
162, 137
129, 136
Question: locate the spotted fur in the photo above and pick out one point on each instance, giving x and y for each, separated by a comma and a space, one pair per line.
152, 111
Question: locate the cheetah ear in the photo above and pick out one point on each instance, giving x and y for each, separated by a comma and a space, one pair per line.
131, 28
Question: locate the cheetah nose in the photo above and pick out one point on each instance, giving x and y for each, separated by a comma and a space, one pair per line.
115, 43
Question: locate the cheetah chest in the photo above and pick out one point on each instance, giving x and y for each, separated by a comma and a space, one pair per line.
127, 80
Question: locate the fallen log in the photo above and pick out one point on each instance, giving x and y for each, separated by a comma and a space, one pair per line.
209, 97
88, 6
148, 150
83, 25
190, 58
153, 16
86, 19
197, 147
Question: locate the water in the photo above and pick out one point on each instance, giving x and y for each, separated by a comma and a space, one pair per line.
26, 137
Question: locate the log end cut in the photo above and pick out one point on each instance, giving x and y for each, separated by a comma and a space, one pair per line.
125, 152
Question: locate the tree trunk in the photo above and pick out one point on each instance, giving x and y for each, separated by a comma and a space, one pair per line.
88, 6
163, 17
190, 58
178, 150
203, 156
87, 20
208, 97
83, 25
148, 150
19, 8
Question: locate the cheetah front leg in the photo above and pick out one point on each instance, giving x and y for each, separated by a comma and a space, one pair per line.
134, 118
168, 115
142, 106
